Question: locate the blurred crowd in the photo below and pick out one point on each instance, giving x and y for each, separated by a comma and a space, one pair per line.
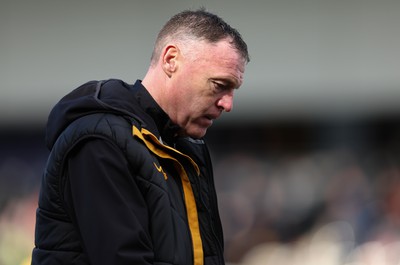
22, 158
326, 195
320, 208
293, 194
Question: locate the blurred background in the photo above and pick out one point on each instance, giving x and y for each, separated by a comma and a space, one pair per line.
307, 165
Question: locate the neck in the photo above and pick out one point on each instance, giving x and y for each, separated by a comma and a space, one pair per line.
155, 84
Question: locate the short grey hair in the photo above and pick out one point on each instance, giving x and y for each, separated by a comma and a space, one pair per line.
199, 25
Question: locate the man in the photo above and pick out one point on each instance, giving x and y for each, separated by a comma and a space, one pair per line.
129, 179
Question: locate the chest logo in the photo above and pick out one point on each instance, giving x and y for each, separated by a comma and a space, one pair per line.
160, 169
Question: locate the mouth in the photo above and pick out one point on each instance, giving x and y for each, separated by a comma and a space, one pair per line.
212, 116
209, 119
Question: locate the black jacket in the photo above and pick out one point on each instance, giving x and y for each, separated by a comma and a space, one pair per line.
120, 188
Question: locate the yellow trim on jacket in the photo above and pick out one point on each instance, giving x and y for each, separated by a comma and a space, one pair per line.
166, 152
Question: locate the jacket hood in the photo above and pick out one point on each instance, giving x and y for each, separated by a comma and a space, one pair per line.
109, 96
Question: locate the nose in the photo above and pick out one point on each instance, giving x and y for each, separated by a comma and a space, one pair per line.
226, 102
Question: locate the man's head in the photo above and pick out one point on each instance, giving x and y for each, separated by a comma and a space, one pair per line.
197, 63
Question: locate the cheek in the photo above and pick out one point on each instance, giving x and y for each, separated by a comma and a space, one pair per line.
194, 100
201, 106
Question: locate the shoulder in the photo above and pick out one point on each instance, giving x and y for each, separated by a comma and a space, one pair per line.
107, 126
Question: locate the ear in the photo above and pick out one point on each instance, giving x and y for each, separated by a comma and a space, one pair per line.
169, 59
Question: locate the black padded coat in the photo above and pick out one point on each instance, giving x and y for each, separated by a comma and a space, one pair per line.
120, 188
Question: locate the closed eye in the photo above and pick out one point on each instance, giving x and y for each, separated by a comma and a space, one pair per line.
221, 86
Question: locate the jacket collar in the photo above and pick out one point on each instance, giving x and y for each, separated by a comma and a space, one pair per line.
167, 130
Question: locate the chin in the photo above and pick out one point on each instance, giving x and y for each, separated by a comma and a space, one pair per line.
197, 133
